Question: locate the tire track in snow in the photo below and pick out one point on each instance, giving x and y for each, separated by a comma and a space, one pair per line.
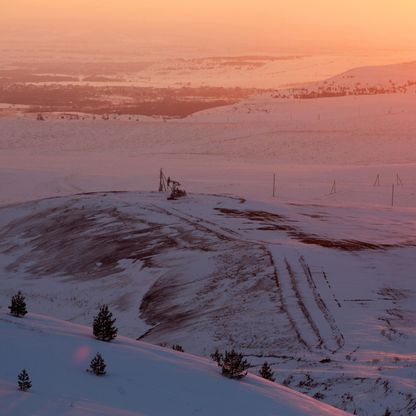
336, 332
302, 306
283, 304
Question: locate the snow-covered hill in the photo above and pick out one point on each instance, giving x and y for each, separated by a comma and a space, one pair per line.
310, 143
320, 283
379, 75
297, 285
368, 80
141, 379
254, 71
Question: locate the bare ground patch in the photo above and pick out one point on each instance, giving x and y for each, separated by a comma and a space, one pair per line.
274, 222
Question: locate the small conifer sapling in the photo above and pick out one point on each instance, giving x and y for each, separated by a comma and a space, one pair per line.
234, 365
266, 372
18, 305
23, 381
97, 365
178, 348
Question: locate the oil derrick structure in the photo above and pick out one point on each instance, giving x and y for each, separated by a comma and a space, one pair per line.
171, 186
162, 182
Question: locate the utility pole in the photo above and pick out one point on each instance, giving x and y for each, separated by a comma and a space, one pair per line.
274, 185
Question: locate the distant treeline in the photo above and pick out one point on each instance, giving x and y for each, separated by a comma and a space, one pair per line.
326, 90
172, 102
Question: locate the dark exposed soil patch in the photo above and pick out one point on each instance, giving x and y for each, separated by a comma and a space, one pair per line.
389, 293
346, 245
274, 222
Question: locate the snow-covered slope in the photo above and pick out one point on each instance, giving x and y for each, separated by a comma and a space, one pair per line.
379, 75
369, 80
326, 294
310, 143
257, 72
141, 380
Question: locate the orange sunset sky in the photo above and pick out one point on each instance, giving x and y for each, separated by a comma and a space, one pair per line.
261, 24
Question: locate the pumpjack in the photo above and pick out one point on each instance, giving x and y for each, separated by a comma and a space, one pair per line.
166, 184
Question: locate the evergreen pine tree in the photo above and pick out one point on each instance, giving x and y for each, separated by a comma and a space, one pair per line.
18, 305
103, 326
97, 365
217, 357
234, 365
23, 381
266, 372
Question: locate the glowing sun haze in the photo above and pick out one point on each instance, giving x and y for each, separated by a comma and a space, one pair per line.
262, 24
